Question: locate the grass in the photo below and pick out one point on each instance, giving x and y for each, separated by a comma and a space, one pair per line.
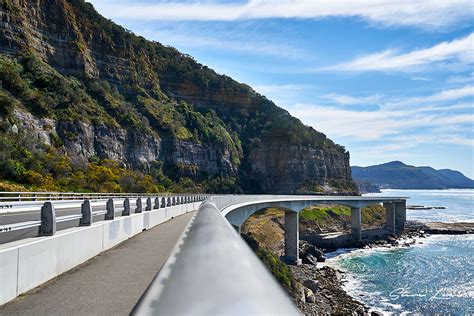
323, 212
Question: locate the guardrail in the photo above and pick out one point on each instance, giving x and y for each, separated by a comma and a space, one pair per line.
36, 196
213, 272
48, 223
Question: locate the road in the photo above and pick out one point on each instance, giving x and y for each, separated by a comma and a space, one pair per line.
108, 284
8, 218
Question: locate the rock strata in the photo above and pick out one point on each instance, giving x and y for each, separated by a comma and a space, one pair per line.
145, 105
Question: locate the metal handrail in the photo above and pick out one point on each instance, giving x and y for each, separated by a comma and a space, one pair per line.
19, 226
20, 196
67, 218
213, 272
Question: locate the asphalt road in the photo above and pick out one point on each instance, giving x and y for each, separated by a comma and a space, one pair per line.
108, 284
8, 218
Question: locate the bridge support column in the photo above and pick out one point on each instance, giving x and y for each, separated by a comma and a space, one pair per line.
400, 216
390, 221
292, 238
356, 223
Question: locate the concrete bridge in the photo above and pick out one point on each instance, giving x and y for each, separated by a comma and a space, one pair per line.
238, 208
210, 271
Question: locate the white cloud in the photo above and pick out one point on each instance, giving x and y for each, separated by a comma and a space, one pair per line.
375, 125
392, 103
442, 96
285, 89
230, 42
420, 79
282, 94
461, 79
350, 100
459, 51
423, 13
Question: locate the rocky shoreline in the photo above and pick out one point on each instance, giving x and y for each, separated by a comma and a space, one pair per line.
322, 288
322, 292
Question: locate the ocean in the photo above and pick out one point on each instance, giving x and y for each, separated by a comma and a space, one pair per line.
436, 275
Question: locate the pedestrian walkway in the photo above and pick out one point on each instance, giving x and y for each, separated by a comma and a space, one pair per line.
108, 284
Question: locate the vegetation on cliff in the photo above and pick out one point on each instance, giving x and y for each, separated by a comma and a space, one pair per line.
83, 88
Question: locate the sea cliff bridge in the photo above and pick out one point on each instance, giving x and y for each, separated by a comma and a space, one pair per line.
210, 270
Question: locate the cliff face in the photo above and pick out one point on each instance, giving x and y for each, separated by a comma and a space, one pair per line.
146, 105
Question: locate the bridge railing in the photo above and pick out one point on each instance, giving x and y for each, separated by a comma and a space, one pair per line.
6, 197
103, 203
212, 271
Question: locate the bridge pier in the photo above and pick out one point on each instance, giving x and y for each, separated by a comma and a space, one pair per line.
400, 216
356, 223
390, 216
292, 238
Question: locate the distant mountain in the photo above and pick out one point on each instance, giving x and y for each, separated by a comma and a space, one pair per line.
397, 175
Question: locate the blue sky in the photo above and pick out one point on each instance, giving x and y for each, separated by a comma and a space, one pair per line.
389, 80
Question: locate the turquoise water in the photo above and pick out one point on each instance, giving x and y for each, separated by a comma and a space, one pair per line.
436, 275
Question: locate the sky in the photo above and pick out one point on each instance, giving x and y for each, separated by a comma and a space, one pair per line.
389, 80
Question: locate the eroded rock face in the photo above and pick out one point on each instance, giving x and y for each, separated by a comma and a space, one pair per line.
68, 35
193, 157
39, 128
289, 169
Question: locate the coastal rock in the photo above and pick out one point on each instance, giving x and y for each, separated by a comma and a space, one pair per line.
330, 298
310, 254
313, 285
309, 296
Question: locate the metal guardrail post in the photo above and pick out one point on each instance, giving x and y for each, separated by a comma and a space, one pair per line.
126, 207
110, 215
163, 202
148, 206
48, 220
86, 211
139, 208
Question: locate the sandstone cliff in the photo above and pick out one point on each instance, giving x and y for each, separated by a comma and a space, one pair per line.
81, 83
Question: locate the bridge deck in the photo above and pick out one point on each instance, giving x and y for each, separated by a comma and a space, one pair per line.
109, 284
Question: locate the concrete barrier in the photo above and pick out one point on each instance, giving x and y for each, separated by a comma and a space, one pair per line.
27, 263
8, 274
